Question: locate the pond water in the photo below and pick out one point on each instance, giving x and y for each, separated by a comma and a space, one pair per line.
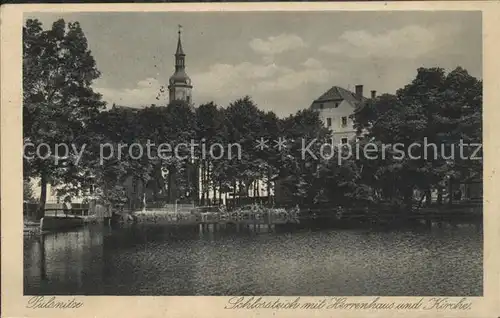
160, 260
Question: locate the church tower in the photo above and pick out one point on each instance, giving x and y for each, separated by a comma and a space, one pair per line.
179, 86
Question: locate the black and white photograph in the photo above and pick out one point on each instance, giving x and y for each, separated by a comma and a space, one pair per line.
253, 153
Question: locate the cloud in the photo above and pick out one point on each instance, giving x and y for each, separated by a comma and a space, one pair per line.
295, 79
224, 83
227, 80
282, 89
143, 94
408, 42
277, 44
223, 80
312, 63
221, 83
312, 72
246, 69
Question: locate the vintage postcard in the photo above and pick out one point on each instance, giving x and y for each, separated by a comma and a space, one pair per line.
235, 160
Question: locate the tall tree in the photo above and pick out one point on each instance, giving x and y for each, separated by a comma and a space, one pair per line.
270, 158
209, 130
180, 130
58, 100
112, 165
299, 169
244, 124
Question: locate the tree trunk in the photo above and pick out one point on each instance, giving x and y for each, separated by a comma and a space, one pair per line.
440, 195
420, 201
239, 192
214, 189
220, 193
169, 185
172, 186
196, 181
450, 191
428, 197
234, 192
269, 185
202, 190
207, 179
43, 196
408, 199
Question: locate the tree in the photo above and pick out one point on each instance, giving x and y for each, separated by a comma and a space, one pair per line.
28, 193
299, 175
435, 108
58, 100
108, 130
210, 129
243, 122
180, 129
271, 157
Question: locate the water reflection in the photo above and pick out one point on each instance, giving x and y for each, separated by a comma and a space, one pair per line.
159, 260
63, 259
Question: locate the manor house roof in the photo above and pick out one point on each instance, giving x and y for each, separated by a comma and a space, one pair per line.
339, 94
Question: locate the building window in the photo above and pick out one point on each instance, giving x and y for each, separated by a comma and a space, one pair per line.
351, 119
343, 140
336, 104
188, 99
328, 122
321, 106
344, 121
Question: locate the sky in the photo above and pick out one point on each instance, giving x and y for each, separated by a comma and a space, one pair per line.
282, 60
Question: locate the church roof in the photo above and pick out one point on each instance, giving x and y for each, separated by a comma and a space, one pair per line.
180, 76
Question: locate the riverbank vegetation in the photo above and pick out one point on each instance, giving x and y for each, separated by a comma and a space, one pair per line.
60, 106
245, 214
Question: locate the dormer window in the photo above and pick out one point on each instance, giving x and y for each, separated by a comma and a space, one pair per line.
321, 106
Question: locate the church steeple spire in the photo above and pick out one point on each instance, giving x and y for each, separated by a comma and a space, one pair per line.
180, 86
179, 43
179, 54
